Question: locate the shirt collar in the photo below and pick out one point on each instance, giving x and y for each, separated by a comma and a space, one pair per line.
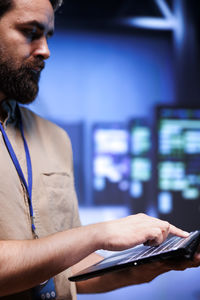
7, 112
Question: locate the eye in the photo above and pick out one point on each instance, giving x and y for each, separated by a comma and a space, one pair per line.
31, 33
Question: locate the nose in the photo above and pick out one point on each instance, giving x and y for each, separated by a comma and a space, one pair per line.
41, 48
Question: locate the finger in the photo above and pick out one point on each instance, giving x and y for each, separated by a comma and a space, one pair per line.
157, 238
166, 232
154, 242
151, 243
197, 258
177, 231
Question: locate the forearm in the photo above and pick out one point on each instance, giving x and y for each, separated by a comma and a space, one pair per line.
131, 276
103, 284
115, 280
24, 264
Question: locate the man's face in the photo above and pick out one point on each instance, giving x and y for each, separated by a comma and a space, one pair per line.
24, 31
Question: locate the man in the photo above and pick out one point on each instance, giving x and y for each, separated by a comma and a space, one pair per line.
41, 239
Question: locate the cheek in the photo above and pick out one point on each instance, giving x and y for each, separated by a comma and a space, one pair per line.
16, 55
16, 48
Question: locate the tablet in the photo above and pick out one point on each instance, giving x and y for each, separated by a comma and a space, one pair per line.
172, 247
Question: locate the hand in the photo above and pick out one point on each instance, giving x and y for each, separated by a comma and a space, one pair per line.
182, 264
133, 230
130, 276
146, 272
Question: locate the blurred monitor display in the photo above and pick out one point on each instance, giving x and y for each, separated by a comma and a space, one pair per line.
140, 164
110, 164
178, 165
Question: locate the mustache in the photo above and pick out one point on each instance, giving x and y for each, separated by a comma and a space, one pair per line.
36, 64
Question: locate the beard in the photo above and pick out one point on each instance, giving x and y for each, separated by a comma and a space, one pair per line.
20, 83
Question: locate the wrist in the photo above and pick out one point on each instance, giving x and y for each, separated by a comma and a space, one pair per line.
98, 235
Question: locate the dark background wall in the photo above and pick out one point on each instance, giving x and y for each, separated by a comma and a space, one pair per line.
101, 77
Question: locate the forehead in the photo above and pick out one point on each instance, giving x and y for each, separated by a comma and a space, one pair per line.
28, 10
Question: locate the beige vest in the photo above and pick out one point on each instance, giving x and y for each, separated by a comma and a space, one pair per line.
53, 195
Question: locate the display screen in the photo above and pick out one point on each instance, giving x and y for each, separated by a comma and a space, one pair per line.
178, 163
140, 164
110, 163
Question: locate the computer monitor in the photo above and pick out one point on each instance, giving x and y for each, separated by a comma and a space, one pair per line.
140, 147
178, 165
110, 164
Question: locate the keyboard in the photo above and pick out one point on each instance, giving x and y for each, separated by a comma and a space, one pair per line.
172, 247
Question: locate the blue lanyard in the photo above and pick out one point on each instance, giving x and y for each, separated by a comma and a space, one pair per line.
16, 163
46, 291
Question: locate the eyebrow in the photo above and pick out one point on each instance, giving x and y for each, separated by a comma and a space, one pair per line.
39, 25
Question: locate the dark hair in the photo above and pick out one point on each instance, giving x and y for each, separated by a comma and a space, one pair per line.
6, 5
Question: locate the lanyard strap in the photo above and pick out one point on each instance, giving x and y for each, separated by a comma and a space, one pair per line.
16, 163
